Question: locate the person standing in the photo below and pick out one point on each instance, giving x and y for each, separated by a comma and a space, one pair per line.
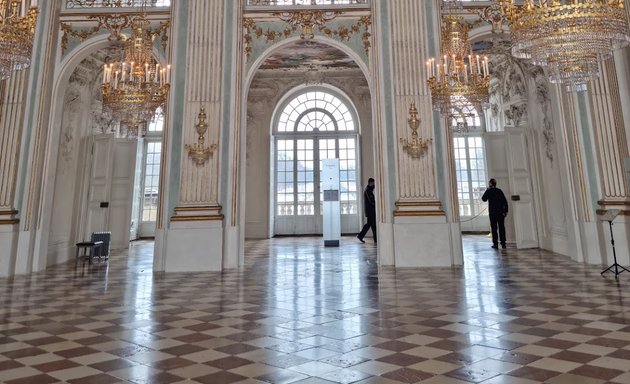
370, 211
497, 209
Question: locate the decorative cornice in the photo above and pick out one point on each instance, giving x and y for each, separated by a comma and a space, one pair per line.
419, 213
186, 208
601, 212
197, 213
418, 204
198, 218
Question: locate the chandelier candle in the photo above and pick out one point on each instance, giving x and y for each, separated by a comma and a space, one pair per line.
462, 76
17, 28
567, 37
139, 85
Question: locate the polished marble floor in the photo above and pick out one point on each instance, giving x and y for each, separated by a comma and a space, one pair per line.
302, 313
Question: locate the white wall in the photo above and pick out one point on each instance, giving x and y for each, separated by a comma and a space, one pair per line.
68, 190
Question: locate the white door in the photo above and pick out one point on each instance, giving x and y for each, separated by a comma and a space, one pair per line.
100, 184
110, 193
523, 210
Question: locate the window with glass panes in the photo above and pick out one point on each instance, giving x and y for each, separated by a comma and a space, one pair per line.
153, 152
314, 126
470, 169
151, 181
470, 159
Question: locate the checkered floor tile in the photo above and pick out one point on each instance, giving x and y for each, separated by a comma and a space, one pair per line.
301, 313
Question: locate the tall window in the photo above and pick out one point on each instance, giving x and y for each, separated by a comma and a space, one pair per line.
153, 152
470, 166
470, 163
314, 126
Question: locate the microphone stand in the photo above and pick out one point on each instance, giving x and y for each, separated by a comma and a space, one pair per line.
616, 265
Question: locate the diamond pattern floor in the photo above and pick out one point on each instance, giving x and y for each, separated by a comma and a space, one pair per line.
301, 313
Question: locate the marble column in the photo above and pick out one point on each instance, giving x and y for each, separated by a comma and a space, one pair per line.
426, 230
195, 228
12, 92
28, 159
611, 151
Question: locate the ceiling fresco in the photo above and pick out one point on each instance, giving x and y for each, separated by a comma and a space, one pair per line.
305, 53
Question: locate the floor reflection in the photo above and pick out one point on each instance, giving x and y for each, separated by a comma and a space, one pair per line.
298, 312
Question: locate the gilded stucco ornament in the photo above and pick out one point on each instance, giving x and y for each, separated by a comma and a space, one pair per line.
415, 146
199, 152
308, 22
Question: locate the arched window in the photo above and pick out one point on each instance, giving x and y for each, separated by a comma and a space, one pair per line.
313, 126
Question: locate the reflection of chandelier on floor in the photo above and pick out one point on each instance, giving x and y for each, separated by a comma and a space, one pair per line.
136, 85
458, 76
17, 27
568, 37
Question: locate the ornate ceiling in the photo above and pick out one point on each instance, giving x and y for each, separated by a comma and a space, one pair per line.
308, 53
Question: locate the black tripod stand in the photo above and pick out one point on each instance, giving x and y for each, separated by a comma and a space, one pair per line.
618, 268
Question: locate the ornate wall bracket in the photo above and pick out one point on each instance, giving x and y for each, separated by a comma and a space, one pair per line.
416, 146
198, 152
308, 22
115, 24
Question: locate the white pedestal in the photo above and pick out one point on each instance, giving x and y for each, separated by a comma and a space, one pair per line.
426, 241
8, 244
194, 246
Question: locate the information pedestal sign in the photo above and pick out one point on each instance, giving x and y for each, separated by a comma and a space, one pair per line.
332, 212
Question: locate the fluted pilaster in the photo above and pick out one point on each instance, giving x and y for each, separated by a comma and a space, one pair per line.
416, 178
199, 183
11, 116
610, 139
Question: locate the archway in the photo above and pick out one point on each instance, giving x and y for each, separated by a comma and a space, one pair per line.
72, 129
311, 124
293, 68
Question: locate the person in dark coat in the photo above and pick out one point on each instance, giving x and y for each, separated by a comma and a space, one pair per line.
370, 211
497, 210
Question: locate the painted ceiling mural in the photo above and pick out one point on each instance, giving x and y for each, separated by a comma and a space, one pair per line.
308, 53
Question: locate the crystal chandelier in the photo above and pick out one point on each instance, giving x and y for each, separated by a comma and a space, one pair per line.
568, 37
17, 27
136, 85
457, 76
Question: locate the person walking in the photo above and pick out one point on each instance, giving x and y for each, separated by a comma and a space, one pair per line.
497, 210
370, 211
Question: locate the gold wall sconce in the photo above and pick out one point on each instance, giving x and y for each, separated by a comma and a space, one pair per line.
198, 151
416, 146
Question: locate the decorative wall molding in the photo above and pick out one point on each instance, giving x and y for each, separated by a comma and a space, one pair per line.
307, 24
514, 80
114, 23
516, 114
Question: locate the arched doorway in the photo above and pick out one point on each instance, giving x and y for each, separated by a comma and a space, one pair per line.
298, 76
313, 125
86, 193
